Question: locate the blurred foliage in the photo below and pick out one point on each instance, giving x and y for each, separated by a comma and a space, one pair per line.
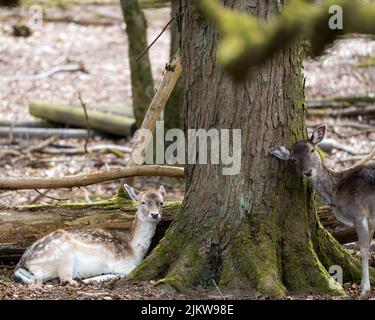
9, 3
68, 3
248, 42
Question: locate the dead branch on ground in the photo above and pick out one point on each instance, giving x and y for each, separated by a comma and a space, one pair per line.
89, 178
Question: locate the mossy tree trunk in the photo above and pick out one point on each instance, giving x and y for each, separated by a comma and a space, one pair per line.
257, 229
141, 75
174, 111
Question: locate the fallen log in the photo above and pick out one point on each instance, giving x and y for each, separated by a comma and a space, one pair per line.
80, 150
75, 116
339, 102
21, 226
48, 73
41, 133
86, 179
27, 124
358, 110
340, 231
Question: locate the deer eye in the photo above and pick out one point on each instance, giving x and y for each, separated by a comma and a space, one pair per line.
162, 203
312, 150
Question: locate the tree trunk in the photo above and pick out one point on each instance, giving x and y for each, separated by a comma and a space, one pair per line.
257, 229
141, 76
174, 112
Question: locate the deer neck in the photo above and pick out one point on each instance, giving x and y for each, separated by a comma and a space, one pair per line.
141, 236
325, 183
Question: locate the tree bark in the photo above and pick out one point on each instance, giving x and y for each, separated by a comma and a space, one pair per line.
257, 229
141, 76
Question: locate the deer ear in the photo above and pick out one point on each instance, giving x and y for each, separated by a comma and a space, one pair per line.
133, 193
162, 191
318, 135
280, 152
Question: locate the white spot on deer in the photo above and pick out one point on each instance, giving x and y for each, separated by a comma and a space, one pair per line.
365, 223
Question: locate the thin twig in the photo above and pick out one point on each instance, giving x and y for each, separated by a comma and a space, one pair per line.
217, 288
87, 122
41, 145
52, 198
156, 39
49, 73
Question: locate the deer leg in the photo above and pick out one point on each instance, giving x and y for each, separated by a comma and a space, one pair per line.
66, 269
364, 240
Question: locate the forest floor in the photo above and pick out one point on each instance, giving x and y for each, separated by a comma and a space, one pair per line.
102, 49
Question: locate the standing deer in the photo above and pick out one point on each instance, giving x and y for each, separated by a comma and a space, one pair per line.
350, 193
95, 254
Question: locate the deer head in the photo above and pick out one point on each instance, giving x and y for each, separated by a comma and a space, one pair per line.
304, 153
150, 203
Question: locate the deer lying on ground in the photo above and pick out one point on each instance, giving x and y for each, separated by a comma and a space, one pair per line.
350, 193
94, 255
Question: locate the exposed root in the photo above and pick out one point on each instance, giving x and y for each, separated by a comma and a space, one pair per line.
247, 265
331, 253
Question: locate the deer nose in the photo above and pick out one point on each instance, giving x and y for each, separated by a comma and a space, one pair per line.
308, 173
155, 215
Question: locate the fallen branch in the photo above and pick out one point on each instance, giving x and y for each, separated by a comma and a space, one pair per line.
27, 124
172, 74
75, 116
328, 144
339, 231
89, 178
49, 73
87, 122
79, 150
49, 197
41, 145
339, 102
359, 110
27, 133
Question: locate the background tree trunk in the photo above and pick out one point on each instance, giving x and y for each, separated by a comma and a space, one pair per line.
174, 112
141, 76
257, 229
